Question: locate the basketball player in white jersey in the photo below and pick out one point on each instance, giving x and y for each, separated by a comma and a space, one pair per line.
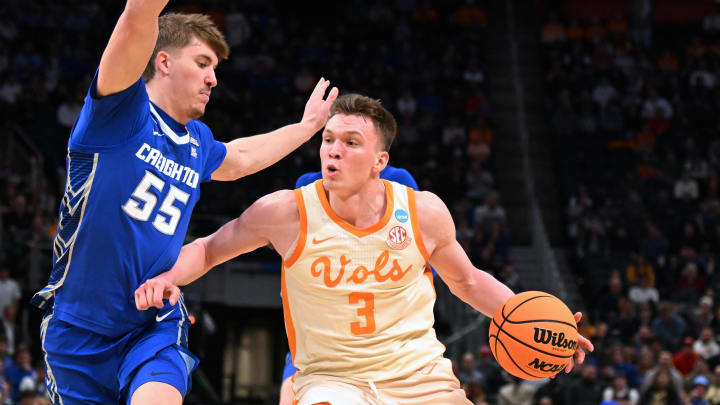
356, 286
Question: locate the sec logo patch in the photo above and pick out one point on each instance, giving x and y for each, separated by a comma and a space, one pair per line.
398, 238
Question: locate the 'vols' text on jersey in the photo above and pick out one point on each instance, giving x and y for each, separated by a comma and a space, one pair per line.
133, 178
358, 303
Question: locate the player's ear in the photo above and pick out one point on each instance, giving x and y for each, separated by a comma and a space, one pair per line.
381, 160
162, 62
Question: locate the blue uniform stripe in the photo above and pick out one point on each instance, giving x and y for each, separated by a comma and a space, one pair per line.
81, 173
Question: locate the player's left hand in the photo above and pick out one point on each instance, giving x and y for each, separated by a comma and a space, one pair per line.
152, 292
583, 344
317, 107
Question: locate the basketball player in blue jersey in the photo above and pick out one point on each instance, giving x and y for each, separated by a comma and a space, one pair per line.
391, 173
136, 156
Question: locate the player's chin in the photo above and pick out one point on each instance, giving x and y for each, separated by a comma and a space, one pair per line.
197, 111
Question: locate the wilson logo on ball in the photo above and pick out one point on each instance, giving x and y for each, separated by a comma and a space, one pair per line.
541, 365
546, 336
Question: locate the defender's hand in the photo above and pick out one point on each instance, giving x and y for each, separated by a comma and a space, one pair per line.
152, 292
317, 109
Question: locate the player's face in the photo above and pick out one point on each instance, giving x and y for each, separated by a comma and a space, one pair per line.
194, 77
350, 153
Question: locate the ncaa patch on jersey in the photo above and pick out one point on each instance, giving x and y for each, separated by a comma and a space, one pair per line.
401, 215
398, 238
194, 142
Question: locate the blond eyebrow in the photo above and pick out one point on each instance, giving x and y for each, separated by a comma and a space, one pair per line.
351, 132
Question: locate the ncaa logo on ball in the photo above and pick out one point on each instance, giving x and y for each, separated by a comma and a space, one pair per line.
398, 238
401, 215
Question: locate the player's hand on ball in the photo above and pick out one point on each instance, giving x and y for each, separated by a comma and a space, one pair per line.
583, 344
152, 292
317, 108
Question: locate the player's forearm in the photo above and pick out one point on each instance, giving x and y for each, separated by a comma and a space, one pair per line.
144, 9
252, 154
482, 291
191, 264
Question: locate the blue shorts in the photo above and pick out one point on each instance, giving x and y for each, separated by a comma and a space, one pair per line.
289, 369
86, 367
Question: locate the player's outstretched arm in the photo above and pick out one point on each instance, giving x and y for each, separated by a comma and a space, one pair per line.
477, 288
130, 46
472, 285
251, 154
272, 219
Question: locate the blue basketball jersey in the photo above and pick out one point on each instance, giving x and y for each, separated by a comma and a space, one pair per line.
133, 178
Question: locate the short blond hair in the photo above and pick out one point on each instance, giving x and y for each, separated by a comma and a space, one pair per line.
356, 104
176, 30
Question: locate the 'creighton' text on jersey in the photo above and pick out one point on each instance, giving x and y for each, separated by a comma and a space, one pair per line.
133, 177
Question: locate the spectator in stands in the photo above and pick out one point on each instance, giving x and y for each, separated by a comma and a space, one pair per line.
686, 188
8, 321
625, 325
702, 316
684, 360
491, 210
706, 346
644, 293
713, 394
690, 285
619, 392
669, 327
639, 268
490, 370
699, 390
468, 372
660, 392
654, 382
587, 390
9, 288
516, 392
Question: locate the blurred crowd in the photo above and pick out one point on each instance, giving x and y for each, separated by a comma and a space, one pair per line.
633, 108
398, 52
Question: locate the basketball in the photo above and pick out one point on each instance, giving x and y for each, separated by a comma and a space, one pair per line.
533, 335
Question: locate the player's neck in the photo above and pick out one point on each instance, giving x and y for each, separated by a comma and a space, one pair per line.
363, 208
163, 98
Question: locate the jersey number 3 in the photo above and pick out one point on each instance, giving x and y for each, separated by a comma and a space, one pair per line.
367, 311
168, 215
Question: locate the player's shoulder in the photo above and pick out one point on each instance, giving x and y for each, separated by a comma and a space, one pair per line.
277, 202
428, 202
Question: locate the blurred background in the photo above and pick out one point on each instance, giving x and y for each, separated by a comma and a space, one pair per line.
576, 142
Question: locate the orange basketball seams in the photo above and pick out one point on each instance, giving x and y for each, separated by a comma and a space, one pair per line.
533, 336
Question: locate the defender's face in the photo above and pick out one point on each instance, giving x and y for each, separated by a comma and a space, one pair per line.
193, 77
349, 152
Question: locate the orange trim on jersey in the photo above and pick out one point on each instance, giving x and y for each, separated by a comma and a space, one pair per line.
289, 327
416, 225
302, 236
390, 203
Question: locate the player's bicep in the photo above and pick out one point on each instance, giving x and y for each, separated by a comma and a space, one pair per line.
452, 264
